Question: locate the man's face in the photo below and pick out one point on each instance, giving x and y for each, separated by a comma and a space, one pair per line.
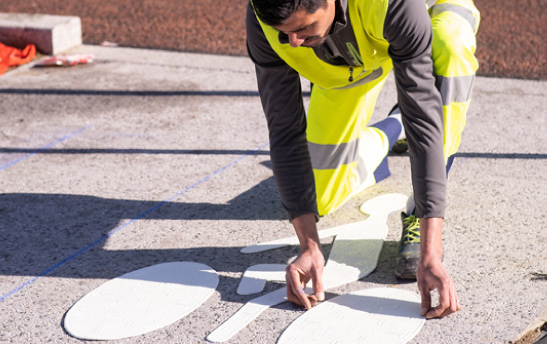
309, 29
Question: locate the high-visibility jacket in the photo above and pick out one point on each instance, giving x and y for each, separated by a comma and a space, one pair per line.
342, 102
368, 15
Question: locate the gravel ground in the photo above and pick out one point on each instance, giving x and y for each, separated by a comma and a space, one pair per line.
510, 43
511, 39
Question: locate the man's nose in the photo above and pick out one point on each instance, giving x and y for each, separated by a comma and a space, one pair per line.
294, 40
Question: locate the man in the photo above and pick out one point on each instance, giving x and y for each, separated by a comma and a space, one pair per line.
346, 48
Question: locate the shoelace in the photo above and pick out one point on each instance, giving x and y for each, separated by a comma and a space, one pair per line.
412, 230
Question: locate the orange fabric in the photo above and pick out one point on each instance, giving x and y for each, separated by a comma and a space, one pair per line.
10, 56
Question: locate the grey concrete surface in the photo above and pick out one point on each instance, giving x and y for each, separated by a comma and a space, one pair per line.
50, 34
147, 156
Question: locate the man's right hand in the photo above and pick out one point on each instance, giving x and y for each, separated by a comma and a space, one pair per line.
307, 266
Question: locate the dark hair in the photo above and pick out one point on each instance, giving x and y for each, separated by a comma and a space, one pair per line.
276, 12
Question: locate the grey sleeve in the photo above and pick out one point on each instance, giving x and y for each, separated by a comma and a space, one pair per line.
281, 97
408, 30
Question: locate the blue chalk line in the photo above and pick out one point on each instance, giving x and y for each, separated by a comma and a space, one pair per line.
44, 148
131, 221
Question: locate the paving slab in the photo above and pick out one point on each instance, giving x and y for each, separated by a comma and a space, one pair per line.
50, 34
146, 156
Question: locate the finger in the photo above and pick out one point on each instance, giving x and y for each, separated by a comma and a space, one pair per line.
458, 304
447, 311
454, 302
313, 300
294, 299
444, 304
290, 293
453, 298
317, 281
298, 288
426, 300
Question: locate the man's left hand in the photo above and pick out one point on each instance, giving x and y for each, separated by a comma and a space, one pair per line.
434, 276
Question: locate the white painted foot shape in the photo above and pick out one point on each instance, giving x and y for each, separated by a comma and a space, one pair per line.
369, 316
141, 301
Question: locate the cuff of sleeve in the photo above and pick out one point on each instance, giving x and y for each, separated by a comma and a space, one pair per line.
293, 215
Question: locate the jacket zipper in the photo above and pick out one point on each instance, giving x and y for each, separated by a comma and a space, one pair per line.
356, 59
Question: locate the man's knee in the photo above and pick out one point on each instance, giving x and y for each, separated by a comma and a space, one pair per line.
454, 45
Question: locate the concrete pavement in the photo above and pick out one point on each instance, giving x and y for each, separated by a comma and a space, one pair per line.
148, 156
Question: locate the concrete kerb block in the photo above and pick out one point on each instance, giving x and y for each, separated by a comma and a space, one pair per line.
50, 34
535, 325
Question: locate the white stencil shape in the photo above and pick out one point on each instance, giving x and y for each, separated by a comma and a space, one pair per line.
369, 316
290, 241
354, 255
357, 246
246, 314
141, 301
254, 278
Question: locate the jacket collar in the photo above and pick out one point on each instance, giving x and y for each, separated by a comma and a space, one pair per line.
340, 18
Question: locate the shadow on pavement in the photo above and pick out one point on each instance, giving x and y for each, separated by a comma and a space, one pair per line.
60, 235
38, 231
